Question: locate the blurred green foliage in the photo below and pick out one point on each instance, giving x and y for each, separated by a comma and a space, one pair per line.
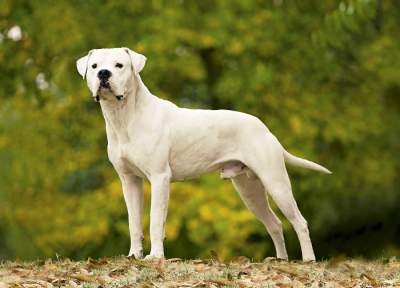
323, 75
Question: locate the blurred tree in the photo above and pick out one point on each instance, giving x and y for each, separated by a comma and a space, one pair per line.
323, 75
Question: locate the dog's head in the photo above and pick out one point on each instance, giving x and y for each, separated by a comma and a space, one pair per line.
110, 72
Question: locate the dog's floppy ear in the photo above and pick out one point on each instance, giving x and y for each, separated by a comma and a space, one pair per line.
137, 60
82, 64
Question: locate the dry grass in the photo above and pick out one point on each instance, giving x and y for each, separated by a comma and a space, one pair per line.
240, 272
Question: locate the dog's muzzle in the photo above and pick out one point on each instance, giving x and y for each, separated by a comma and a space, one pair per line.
105, 84
97, 98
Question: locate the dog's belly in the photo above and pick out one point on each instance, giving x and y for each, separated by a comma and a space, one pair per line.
193, 168
205, 140
193, 157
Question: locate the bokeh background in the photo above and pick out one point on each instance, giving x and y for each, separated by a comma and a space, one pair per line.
323, 75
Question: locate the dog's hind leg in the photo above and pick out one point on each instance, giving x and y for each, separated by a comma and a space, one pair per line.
252, 193
265, 158
276, 180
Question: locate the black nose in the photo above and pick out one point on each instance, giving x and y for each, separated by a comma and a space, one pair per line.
104, 74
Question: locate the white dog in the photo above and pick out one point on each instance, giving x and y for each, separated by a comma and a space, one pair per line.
152, 138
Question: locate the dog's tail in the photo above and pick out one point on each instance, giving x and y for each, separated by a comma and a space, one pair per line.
300, 162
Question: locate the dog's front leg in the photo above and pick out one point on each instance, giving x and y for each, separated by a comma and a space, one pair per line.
132, 187
158, 213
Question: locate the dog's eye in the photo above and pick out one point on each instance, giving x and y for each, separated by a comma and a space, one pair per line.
119, 65
94, 66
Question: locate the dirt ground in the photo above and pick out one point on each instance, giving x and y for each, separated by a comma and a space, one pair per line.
239, 272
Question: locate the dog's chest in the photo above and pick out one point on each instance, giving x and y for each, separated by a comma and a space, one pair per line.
125, 159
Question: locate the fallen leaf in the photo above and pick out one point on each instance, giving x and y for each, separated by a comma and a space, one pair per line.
370, 278
172, 260
240, 260
214, 256
117, 271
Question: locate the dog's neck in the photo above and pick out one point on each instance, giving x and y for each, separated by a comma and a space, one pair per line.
118, 114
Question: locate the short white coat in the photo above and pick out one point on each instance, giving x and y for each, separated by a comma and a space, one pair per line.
153, 138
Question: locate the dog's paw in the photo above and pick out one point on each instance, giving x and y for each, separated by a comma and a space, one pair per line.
154, 257
309, 261
136, 254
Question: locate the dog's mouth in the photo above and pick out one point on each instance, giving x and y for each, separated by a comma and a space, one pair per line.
105, 85
103, 90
